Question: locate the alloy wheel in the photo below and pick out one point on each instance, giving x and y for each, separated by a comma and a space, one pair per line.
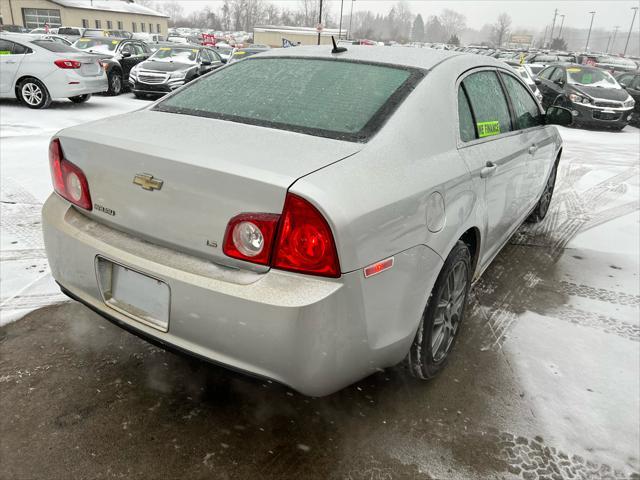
32, 93
116, 84
449, 311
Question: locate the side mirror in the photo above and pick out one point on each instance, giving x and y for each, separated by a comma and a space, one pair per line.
126, 54
623, 85
537, 81
559, 116
558, 82
205, 63
223, 60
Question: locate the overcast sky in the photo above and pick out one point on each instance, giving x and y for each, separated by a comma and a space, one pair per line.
534, 14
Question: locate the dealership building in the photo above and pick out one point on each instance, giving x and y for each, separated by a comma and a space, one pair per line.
276, 36
103, 14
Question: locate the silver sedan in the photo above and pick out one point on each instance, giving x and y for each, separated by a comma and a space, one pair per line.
321, 220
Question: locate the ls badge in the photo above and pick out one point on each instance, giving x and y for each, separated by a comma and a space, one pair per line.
147, 181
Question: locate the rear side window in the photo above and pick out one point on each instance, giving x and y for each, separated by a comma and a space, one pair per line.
524, 106
488, 103
557, 75
467, 129
54, 46
331, 98
546, 73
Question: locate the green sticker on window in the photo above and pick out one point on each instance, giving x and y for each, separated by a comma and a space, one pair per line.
5, 52
486, 129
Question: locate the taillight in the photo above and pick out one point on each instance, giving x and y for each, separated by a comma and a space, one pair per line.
250, 236
68, 180
299, 240
68, 64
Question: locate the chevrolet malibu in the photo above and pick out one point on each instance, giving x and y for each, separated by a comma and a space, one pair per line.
326, 219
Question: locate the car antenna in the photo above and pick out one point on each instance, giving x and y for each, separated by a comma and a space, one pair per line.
336, 48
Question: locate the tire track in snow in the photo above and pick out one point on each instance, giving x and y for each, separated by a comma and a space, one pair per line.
569, 215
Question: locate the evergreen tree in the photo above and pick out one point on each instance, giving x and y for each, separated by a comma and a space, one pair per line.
417, 32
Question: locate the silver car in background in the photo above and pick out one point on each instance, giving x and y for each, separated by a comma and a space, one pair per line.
37, 70
328, 221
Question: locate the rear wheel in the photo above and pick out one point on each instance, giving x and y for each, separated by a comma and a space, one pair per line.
542, 207
115, 83
80, 98
442, 316
33, 93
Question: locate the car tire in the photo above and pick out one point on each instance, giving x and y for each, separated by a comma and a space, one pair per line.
542, 207
80, 98
443, 315
33, 93
114, 79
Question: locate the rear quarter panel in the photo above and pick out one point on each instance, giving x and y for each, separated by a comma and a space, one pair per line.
377, 200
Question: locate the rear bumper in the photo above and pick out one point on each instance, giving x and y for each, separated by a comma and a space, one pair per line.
65, 84
316, 335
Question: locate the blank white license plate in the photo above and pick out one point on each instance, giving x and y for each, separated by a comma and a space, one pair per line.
139, 296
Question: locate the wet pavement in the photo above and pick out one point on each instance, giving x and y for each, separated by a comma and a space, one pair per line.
543, 383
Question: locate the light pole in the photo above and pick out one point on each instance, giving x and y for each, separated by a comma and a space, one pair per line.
553, 24
320, 23
586, 47
351, 20
635, 10
340, 28
561, 25
613, 41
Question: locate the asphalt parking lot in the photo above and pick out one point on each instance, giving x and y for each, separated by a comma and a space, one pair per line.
543, 383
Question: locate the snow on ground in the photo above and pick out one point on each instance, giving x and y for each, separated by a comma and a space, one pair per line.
25, 184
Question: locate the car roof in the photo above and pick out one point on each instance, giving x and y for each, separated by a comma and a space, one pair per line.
423, 58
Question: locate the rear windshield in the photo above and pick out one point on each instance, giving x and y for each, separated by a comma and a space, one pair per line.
68, 31
97, 44
330, 98
54, 46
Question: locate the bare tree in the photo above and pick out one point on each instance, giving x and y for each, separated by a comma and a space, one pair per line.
174, 10
501, 29
452, 22
309, 12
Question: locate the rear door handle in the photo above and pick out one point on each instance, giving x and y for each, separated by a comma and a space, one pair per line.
533, 149
488, 170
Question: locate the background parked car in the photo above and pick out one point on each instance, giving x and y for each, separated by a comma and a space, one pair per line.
171, 67
242, 53
593, 95
630, 81
119, 56
608, 62
527, 76
36, 71
13, 29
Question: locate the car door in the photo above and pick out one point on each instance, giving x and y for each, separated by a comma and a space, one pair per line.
11, 56
544, 85
494, 154
535, 136
216, 60
127, 58
556, 84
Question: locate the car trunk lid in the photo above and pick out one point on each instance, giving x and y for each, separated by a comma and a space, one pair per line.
177, 180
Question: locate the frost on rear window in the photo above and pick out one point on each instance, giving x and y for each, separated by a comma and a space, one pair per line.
336, 99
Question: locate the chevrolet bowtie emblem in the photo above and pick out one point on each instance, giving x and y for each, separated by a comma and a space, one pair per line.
147, 181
